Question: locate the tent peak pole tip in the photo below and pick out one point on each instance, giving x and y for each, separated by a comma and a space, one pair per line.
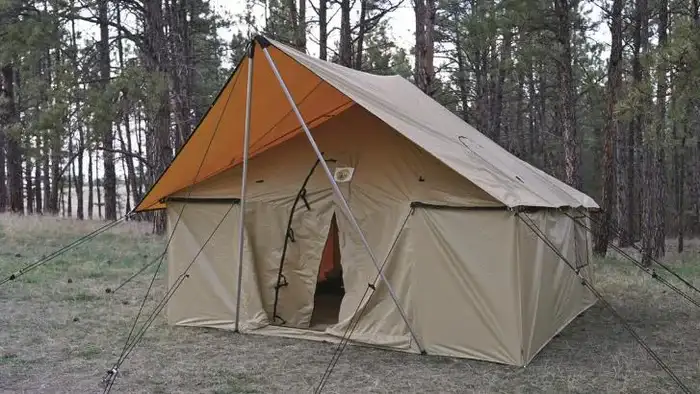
264, 42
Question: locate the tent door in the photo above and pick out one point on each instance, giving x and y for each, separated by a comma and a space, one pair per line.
329, 285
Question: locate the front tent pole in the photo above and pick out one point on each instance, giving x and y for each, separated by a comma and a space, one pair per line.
338, 193
244, 179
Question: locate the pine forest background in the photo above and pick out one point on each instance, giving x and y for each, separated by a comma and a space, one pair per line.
89, 121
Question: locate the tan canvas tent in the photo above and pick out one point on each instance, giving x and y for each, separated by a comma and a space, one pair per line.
441, 264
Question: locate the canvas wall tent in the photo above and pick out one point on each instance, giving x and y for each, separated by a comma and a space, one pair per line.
434, 198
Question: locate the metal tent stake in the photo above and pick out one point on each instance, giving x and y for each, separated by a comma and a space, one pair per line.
244, 179
338, 193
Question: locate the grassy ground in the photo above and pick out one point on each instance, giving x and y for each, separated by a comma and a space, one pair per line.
60, 330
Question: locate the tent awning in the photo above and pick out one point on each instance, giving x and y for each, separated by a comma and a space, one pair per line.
322, 90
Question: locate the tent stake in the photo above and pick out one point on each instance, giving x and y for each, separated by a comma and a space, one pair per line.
338, 193
244, 179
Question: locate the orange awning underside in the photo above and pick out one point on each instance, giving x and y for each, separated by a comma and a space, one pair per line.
217, 143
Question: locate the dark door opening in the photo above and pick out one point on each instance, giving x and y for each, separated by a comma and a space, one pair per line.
329, 286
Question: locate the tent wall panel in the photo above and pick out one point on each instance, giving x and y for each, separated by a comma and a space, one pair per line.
552, 294
207, 297
465, 285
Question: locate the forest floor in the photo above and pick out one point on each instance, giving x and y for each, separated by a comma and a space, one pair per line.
60, 331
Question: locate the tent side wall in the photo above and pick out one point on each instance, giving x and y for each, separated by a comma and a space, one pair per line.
552, 295
486, 287
465, 283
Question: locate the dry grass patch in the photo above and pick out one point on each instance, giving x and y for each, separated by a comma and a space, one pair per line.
60, 330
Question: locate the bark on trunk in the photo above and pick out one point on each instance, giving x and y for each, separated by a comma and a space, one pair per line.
301, 27
462, 76
38, 179
28, 176
660, 167
3, 174
611, 131
361, 35
78, 179
425, 13
8, 118
159, 122
567, 121
345, 47
105, 124
323, 29
497, 112
91, 188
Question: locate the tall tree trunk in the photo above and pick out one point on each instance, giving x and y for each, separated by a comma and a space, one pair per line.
567, 121
139, 149
159, 122
105, 124
518, 145
69, 182
629, 203
345, 46
462, 76
679, 181
131, 180
323, 29
62, 199
91, 201
135, 190
611, 130
127, 167
293, 19
660, 148
481, 109
546, 155
3, 174
425, 12
78, 178
8, 118
497, 112
301, 27
180, 69
360, 40
29, 176
99, 196
56, 154
46, 178
694, 108
38, 179
647, 155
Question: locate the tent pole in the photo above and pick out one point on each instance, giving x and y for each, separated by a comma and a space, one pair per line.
338, 193
244, 179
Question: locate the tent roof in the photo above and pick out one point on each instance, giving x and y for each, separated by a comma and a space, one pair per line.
322, 90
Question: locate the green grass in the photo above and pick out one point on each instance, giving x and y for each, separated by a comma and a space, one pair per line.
60, 330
